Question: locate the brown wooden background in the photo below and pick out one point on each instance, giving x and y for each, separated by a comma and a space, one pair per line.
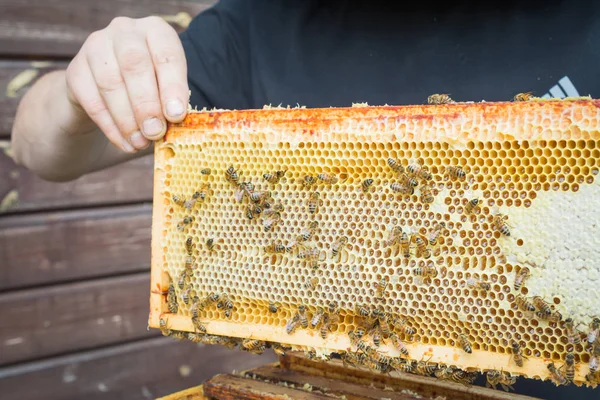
74, 257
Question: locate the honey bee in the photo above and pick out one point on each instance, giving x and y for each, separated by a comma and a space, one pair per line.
464, 343
324, 328
302, 316
523, 96
426, 271
427, 194
435, 232
376, 336
463, 377
414, 169
524, 304
253, 345
308, 181
198, 326
398, 344
520, 277
182, 278
225, 302
189, 204
240, 193
185, 295
401, 324
196, 337
384, 325
328, 179
308, 233
439, 99
311, 283
275, 177
394, 236
594, 330
213, 297
338, 246
206, 171
309, 253
189, 246
314, 202
172, 300
408, 180
556, 376
270, 222
425, 174
542, 306
472, 206
249, 211
273, 307
363, 311
378, 357
317, 318
274, 209
570, 366
507, 380
227, 313
185, 222
501, 225
478, 284
572, 332
178, 200
517, 355
231, 175
405, 245
403, 189
292, 324
333, 313
395, 165
422, 249
210, 244
456, 172
279, 349
594, 361
425, 368
366, 185
381, 286
276, 247
164, 327
257, 196
357, 341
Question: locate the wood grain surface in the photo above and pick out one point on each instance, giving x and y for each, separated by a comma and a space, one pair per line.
50, 248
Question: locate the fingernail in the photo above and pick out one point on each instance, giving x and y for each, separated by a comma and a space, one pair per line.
127, 147
175, 108
152, 127
138, 140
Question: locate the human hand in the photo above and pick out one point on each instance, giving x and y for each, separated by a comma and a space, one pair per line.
130, 78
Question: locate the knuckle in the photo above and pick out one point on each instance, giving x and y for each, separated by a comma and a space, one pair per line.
122, 23
95, 108
155, 20
95, 38
167, 55
133, 59
146, 108
109, 81
127, 125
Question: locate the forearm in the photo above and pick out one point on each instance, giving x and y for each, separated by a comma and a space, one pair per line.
56, 139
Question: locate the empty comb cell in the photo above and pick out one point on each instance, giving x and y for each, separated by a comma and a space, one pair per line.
463, 234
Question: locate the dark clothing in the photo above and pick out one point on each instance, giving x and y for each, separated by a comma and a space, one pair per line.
245, 54
318, 53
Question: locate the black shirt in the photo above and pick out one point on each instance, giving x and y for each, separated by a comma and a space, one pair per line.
245, 54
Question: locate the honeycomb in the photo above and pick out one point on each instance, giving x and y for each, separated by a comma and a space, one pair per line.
532, 165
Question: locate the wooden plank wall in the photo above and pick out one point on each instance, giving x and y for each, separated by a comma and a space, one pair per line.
74, 257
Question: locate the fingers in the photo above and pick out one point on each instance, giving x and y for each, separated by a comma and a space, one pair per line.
138, 73
83, 88
130, 78
169, 62
111, 85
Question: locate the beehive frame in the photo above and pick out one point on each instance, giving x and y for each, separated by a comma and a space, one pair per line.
535, 162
